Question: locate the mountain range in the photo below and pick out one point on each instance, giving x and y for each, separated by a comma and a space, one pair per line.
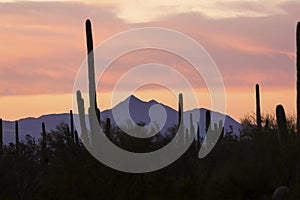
138, 110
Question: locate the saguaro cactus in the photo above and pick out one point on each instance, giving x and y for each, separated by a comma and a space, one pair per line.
192, 127
258, 115
93, 109
207, 121
281, 122
180, 117
1, 136
298, 76
44, 135
76, 137
107, 126
80, 103
17, 136
91, 69
221, 128
267, 124
198, 135
72, 125
44, 142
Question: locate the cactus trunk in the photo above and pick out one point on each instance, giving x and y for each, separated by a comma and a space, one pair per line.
298, 77
72, 125
17, 136
192, 128
91, 67
207, 121
198, 135
1, 136
44, 142
81, 113
76, 137
221, 128
107, 127
93, 109
180, 118
258, 115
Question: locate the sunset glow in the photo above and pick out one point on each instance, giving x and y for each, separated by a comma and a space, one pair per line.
43, 46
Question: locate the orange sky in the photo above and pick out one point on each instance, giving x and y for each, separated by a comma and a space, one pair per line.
43, 46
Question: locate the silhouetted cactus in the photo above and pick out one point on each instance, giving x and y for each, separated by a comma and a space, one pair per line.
44, 137
192, 127
1, 136
281, 122
93, 109
198, 136
76, 137
217, 129
107, 126
44, 142
298, 76
221, 128
180, 117
258, 115
207, 121
81, 113
72, 125
208, 129
267, 124
17, 136
186, 135
91, 69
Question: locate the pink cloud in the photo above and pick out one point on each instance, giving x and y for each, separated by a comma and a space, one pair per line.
43, 45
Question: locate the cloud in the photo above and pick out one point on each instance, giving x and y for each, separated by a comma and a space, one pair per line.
43, 43
137, 11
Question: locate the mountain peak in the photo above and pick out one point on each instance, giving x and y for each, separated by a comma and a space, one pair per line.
133, 99
152, 101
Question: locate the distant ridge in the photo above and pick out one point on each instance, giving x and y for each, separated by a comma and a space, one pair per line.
138, 110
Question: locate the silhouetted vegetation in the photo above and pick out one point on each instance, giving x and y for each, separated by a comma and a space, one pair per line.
249, 167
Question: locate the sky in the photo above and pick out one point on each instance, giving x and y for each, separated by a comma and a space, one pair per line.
43, 46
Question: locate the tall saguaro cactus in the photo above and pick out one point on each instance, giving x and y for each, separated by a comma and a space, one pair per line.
91, 64
258, 115
298, 76
93, 109
91, 69
17, 136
